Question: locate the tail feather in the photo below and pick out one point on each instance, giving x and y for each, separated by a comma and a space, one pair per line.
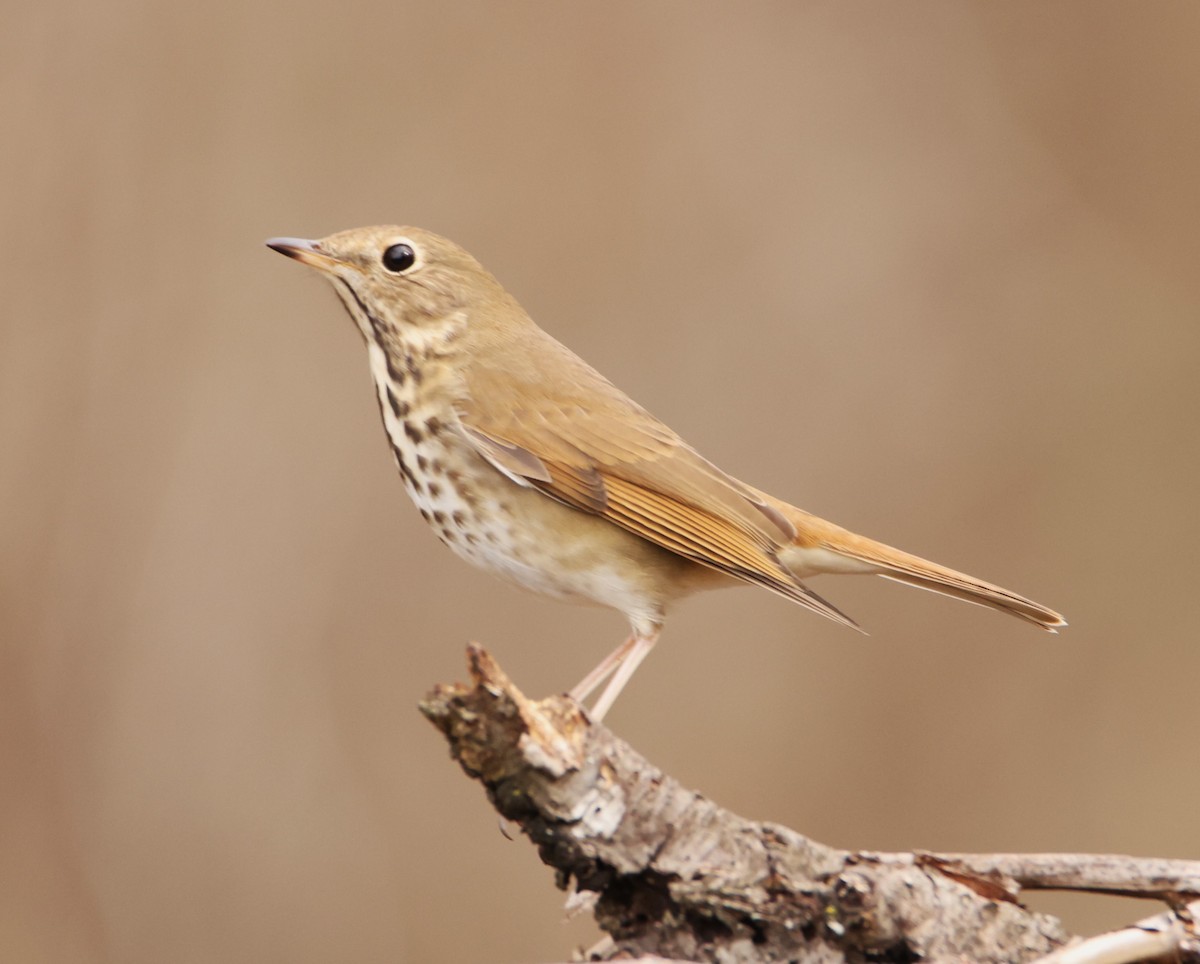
1004, 601
821, 546
914, 571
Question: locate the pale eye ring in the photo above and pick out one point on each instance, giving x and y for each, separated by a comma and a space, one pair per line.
399, 257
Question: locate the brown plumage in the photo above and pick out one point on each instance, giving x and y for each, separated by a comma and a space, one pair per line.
530, 463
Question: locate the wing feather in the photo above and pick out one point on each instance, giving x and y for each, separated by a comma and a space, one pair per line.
590, 447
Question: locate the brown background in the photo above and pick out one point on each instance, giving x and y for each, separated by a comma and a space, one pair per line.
927, 269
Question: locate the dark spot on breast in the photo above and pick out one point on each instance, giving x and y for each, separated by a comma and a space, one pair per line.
399, 457
425, 514
458, 519
448, 535
433, 425
395, 373
422, 463
434, 490
439, 517
404, 469
413, 433
399, 408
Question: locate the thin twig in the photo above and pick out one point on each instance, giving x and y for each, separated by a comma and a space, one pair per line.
1157, 936
1174, 881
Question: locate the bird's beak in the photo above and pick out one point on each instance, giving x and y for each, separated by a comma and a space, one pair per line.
306, 252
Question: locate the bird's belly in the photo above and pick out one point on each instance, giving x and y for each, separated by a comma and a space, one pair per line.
515, 531
531, 540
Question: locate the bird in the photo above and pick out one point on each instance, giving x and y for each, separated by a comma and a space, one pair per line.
530, 464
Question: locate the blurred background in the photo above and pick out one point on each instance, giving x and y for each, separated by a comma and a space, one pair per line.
928, 270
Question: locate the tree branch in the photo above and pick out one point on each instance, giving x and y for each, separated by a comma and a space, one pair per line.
678, 877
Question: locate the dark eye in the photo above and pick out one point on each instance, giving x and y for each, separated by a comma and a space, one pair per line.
399, 257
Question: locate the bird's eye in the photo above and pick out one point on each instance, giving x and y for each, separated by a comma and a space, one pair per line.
399, 257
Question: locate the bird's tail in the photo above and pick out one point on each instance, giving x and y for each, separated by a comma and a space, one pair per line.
821, 546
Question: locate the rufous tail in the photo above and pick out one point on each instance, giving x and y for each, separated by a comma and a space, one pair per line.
835, 544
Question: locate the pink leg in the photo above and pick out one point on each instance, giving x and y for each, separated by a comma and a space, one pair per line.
638, 651
597, 676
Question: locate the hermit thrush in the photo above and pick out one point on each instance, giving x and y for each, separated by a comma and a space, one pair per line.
527, 462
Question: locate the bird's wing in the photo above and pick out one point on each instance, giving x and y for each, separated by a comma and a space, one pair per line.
583, 442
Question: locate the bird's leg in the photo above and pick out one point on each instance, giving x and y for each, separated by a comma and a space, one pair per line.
588, 684
638, 648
